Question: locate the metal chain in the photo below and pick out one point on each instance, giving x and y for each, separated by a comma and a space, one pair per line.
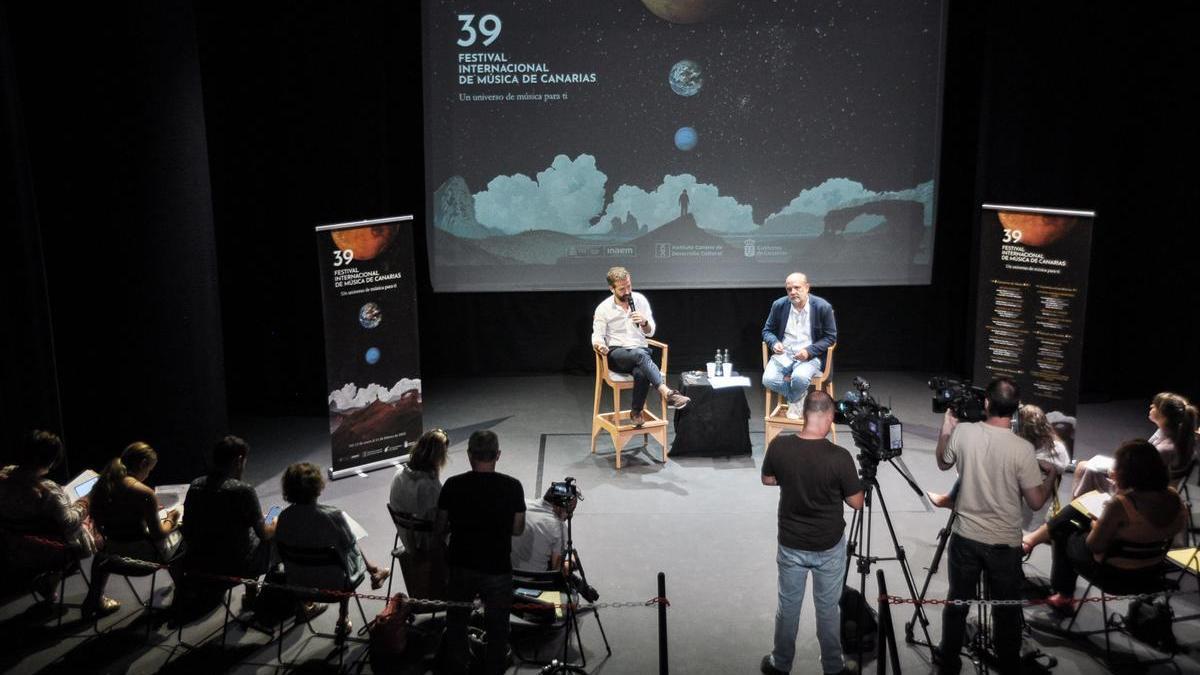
899, 600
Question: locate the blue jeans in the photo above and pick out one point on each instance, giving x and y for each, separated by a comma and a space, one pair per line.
828, 571
802, 373
496, 592
637, 362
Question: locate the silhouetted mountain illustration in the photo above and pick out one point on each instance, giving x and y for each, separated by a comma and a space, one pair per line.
536, 247
626, 228
376, 420
452, 250
683, 230
454, 210
893, 242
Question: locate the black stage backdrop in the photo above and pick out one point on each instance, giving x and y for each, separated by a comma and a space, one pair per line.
312, 114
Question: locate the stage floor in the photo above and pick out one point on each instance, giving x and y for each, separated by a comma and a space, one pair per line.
706, 522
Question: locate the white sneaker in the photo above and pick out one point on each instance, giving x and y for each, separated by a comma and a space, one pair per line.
793, 411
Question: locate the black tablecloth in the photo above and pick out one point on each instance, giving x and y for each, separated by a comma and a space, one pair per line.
716, 422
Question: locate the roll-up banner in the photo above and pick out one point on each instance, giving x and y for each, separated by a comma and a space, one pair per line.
372, 356
1033, 273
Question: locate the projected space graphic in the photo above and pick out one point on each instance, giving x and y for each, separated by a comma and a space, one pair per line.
699, 144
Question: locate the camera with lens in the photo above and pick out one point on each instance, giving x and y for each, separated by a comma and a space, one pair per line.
564, 493
875, 429
961, 398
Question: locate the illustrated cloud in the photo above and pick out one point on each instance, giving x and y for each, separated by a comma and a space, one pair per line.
564, 197
705, 203
351, 397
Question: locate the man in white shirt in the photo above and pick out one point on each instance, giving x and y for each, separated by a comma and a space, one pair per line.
799, 331
620, 327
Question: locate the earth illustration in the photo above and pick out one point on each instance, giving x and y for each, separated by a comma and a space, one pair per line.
370, 315
686, 78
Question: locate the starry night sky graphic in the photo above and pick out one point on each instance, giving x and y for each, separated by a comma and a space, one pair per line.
794, 92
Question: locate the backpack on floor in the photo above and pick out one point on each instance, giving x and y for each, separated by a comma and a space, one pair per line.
1150, 622
389, 634
860, 622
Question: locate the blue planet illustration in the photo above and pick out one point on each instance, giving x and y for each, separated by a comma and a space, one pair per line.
370, 315
686, 138
686, 78
372, 355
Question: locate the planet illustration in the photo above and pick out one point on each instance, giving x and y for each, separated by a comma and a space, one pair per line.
1037, 229
372, 355
686, 78
686, 11
370, 315
365, 242
686, 138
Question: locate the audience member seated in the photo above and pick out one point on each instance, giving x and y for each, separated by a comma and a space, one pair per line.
415, 490
32, 504
540, 547
128, 514
307, 524
1144, 510
1175, 439
224, 530
1050, 451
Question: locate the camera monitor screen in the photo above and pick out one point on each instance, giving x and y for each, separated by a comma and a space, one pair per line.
896, 436
699, 144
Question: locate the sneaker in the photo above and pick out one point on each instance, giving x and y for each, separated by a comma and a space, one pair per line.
766, 667
638, 418
677, 400
793, 411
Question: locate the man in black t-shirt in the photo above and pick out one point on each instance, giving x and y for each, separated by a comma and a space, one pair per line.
482, 510
815, 477
224, 530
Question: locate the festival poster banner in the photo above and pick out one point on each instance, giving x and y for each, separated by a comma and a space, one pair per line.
1033, 273
371, 347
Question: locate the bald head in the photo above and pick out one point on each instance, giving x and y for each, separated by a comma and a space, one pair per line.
796, 286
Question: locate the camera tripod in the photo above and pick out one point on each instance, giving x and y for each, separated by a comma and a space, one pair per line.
862, 521
574, 565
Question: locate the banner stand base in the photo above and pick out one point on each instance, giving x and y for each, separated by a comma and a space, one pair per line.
362, 469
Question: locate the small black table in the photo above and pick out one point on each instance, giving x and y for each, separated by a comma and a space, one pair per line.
715, 423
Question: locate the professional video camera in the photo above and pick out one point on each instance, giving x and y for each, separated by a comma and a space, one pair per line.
564, 493
875, 429
962, 399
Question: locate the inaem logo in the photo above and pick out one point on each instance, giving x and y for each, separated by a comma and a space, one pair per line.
748, 248
662, 250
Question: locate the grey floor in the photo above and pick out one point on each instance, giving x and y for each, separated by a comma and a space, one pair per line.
707, 523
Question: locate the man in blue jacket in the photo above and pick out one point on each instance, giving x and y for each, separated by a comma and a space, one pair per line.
799, 331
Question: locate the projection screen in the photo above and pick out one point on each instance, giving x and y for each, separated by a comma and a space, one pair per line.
699, 143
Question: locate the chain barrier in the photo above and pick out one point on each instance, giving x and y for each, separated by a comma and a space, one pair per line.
548, 606
900, 600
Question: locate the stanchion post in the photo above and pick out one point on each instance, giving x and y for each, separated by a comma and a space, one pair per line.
886, 645
662, 624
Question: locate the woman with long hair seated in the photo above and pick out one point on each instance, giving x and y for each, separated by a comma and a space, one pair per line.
1175, 438
32, 504
127, 512
1048, 449
307, 524
1144, 509
415, 490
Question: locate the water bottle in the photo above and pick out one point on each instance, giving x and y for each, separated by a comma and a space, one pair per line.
718, 360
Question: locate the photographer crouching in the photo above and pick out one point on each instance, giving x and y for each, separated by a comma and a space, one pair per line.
997, 469
543, 546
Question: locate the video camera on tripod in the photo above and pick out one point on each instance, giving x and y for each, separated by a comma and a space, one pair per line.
963, 399
564, 493
875, 429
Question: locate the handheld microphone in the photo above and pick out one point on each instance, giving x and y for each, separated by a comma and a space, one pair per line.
632, 307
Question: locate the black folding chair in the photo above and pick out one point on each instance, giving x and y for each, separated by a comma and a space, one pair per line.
323, 557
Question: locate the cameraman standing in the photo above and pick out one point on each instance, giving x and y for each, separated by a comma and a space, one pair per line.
815, 477
997, 469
